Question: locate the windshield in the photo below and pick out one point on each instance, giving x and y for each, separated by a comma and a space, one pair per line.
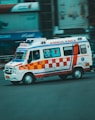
20, 56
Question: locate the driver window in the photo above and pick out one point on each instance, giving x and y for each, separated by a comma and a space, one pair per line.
36, 55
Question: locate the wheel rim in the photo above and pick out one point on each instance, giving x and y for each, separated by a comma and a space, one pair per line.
77, 74
28, 79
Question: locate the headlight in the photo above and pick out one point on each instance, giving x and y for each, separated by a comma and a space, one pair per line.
14, 70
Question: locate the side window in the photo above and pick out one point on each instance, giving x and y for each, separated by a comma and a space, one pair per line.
46, 53
68, 50
83, 49
36, 54
53, 52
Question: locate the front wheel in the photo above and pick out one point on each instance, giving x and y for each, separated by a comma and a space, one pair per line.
28, 79
77, 73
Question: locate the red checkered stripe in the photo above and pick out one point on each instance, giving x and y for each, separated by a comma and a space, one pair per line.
59, 62
44, 64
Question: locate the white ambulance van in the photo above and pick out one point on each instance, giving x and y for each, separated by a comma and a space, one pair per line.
39, 57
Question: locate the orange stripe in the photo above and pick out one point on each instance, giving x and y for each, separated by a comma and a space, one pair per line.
76, 49
41, 64
32, 66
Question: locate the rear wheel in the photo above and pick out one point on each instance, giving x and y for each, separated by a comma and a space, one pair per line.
28, 79
77, 73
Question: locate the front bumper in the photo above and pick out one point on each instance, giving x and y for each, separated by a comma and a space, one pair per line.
12, 77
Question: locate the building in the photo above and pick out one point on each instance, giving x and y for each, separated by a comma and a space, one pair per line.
17, 22
44, 18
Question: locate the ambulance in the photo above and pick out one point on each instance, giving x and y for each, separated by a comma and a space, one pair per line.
41, 57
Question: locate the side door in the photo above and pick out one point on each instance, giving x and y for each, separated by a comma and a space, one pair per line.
67, 57
51, 58
85, 57
34, 55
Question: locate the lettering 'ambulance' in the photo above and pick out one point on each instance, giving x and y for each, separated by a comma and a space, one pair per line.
39, 57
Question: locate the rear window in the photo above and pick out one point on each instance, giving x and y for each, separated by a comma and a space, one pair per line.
83, 49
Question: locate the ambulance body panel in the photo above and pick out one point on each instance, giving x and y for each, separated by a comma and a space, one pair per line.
40, 57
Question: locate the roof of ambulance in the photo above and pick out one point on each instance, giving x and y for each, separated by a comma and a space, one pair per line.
41, 42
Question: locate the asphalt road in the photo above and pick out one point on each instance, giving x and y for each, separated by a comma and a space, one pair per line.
52, 99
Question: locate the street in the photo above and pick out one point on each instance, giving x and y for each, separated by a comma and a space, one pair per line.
50, 99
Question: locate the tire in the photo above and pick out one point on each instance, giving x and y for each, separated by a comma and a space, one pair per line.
77, 73
63, 77
28, 79
15, 82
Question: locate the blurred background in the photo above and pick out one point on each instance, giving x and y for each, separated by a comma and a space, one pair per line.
20, 19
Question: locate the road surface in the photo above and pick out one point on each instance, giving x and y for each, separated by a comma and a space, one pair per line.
52, 99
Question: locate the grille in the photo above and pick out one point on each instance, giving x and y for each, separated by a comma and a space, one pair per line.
8, 70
